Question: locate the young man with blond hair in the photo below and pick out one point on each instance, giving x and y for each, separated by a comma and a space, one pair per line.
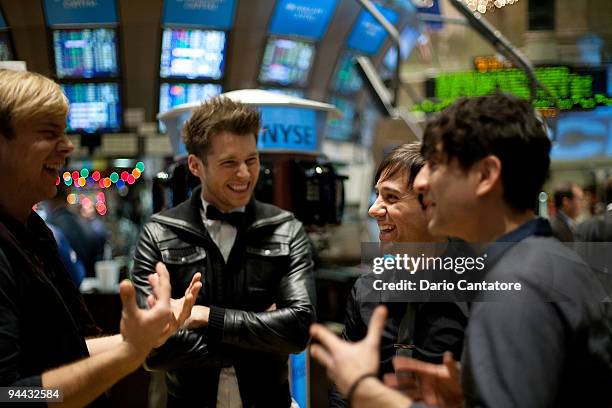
45, 327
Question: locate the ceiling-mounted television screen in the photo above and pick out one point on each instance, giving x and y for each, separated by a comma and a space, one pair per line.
6, 52
408, 40
341, 129
302, 18
346, 78
286, 62
367, 35
94, 107
175, 94
171, 95
85, 53
192, 54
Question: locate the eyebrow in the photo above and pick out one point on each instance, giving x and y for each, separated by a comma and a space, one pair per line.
388, 190
230, 158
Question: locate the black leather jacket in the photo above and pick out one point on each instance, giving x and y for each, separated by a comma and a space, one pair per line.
270, 263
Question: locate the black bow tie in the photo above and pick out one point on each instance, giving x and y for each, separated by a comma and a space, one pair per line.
237, 219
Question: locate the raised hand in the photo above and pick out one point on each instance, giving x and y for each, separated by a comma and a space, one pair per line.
346, 362
435, 384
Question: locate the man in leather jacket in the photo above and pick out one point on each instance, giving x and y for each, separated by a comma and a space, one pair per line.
257, 300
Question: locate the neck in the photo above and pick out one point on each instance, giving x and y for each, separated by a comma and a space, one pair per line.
491, 224
18, 211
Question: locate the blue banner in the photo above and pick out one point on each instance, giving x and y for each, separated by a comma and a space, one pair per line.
2, 22
293, 129
217, 14
368, 35
303, 18
78, 12
299, 378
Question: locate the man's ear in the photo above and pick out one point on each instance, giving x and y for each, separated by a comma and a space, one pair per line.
195, 165
489, 173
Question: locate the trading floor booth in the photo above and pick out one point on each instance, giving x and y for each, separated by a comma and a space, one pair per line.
294, 174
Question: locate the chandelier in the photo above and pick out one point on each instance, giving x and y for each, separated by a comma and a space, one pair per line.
482, 6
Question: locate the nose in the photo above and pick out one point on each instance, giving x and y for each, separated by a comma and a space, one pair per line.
243, 171
378, 209
65, 145
421, 182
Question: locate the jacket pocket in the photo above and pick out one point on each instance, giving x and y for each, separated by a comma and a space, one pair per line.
266, 264
182, 263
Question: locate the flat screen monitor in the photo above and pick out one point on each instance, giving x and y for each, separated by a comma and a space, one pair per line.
583, 135
94, 107
346, 78
172, 95
341, 129
367, 35
287, 62
408, 40
85, 53
302, 18
6, 52
192, 54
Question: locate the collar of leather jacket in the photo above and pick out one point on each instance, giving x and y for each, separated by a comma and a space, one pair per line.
187, 216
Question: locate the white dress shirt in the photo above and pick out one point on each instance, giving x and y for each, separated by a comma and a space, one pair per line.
223, 235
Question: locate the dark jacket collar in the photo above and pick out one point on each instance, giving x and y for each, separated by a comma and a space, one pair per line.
186, 216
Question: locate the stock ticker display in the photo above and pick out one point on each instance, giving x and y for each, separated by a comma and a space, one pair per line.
574, 88
192, 54
287, 62
94, 107
85, 53
346, 79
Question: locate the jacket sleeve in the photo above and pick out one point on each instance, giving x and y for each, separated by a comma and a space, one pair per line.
10, 352
284, 330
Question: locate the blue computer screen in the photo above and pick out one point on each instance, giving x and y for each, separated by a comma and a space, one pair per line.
368, 35
78, 12
85, 53
93, 107
408, 40
341, 129
583, 135
302, 18
286, 62
6, 53
194, 54
346, 78
216, 14
171, 95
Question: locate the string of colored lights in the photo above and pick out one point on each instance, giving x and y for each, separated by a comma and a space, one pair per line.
82, 179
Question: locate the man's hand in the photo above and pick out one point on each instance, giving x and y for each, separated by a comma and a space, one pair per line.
142, 329
435, 384
199, 317
346, 362
181, 308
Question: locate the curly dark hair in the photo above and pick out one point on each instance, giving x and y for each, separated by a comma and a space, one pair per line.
217, 115
500, 125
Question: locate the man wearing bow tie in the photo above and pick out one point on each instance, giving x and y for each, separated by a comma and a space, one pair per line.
257, 300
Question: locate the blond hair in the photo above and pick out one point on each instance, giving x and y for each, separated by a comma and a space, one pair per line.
27, 95
217, 115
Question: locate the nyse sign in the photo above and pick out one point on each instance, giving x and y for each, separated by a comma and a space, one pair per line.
288, 129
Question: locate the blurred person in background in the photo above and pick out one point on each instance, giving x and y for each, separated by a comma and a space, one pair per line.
569, 202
